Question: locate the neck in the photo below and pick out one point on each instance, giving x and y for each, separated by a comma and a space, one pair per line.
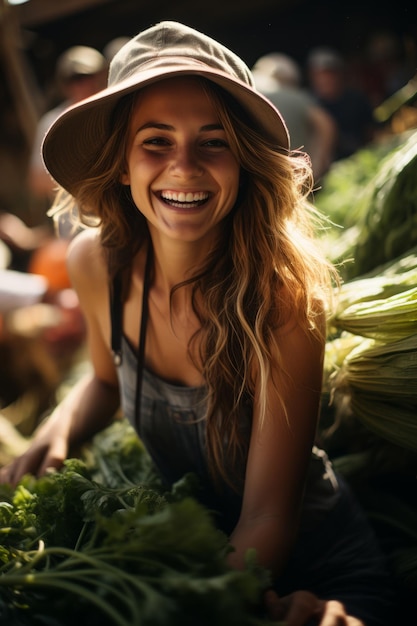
176, 261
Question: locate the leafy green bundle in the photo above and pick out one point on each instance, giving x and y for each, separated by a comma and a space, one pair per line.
102, 543
371, 197
370, 378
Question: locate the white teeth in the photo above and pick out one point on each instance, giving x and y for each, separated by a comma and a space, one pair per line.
181, 196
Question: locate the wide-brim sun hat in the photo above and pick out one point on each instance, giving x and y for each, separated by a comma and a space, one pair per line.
166, 50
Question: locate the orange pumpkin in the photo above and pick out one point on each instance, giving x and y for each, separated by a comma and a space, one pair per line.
49, 260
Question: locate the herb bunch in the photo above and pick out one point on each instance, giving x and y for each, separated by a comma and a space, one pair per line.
102, 543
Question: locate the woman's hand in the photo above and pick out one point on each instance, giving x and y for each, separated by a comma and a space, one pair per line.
89, 407
47, 452
303, 608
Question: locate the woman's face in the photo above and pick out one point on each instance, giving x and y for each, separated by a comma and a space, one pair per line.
183, 176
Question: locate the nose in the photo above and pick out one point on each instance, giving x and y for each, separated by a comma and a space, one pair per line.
185, 162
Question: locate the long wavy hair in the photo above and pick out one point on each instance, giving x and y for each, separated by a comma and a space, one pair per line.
268, 247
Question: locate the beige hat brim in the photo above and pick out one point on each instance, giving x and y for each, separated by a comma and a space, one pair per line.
74, 139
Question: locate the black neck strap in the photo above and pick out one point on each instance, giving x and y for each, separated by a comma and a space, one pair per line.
116, 318
142, 333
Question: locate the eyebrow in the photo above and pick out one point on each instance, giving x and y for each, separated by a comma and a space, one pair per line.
160, 126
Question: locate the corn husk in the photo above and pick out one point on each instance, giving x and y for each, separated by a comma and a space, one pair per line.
380, 381
386, 319
374, 288
336, 350
389, 369
392, 421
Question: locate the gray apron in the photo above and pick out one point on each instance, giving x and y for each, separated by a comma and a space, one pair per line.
336, 555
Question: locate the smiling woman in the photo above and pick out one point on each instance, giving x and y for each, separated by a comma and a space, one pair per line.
181, 171
205, 296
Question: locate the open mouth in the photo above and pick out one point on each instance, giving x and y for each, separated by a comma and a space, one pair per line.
184, 199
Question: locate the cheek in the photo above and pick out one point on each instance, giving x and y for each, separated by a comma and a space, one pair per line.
234, 187
125, 178
235, 181
131, 174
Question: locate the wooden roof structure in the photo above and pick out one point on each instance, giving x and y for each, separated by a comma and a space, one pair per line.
34, 33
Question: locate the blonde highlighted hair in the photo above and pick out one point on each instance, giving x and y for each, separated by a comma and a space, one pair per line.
269, 244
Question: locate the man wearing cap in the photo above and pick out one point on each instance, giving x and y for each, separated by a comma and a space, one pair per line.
311, 128
347, 105
81, 71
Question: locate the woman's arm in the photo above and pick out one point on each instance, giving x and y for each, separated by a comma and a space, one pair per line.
87, 408
92, 402
280, 451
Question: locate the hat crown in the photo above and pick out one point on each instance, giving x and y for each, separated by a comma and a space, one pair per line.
80, 60
167, 41
166, 50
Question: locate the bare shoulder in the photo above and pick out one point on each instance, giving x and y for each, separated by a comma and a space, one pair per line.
87, 269
85, 259
295, 318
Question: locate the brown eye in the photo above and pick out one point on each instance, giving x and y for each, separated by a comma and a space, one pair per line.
216, 143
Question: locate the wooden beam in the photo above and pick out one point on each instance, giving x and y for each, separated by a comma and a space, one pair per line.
36, 12
16, 74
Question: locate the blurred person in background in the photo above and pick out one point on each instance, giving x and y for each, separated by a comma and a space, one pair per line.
113, 46
349, 106
80, 72
311, 128
390, 62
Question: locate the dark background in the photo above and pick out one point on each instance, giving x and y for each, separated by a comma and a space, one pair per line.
32, 35
249, 27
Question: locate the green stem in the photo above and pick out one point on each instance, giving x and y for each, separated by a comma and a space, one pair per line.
100, 562
81, 536
47, 581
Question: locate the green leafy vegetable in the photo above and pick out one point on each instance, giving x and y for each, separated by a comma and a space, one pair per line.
97, 544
